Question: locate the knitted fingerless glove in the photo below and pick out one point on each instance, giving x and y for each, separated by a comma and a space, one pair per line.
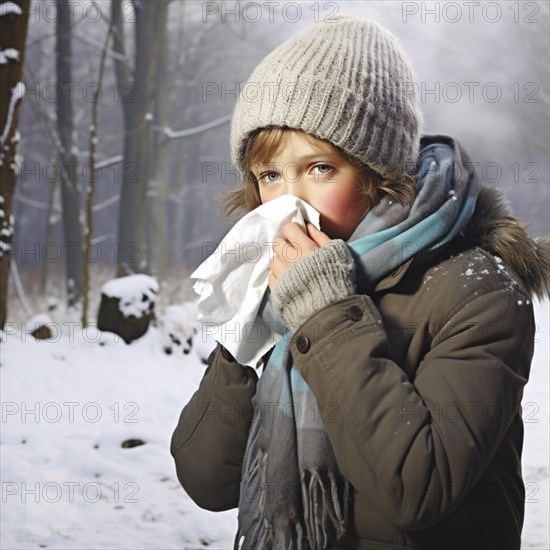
318, 279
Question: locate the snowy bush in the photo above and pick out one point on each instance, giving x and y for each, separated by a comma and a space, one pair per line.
177, 326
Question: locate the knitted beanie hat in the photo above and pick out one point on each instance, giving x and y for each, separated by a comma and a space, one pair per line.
347, 81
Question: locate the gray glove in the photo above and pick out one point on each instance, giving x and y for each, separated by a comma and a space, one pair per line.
318, 279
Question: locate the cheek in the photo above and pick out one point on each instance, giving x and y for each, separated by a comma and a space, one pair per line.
265, 196
336, 205
340, 213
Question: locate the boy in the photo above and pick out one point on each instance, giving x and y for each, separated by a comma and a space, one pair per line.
388, 414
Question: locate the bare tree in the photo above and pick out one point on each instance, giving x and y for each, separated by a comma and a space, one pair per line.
136, 91
14, 18
72, 226
93, 180
160, 164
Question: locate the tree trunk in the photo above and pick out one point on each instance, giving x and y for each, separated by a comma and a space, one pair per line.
90, 188
70, 199
160, 166
13, 34
150, 18
50, 235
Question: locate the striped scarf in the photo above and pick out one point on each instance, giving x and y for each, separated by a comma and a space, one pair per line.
292, 494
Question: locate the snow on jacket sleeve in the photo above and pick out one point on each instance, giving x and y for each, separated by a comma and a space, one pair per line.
389, 435
209, 441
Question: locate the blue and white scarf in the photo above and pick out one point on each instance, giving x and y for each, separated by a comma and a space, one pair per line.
293, 495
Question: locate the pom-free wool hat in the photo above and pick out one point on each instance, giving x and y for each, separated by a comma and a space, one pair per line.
346, 80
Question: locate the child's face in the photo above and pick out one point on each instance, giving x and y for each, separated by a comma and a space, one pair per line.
313, 171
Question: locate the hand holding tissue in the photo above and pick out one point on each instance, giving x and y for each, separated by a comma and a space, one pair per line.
232, 281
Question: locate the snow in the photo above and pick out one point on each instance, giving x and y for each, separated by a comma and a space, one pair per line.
135, 293
179, 325
536, 418
8, 54
9, 7
17, 163
36, 322
68, 405
66, 408
6, 232
17, 93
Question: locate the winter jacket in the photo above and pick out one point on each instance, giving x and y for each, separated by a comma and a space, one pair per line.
419, 386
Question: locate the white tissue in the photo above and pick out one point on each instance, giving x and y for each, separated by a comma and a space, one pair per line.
233, 280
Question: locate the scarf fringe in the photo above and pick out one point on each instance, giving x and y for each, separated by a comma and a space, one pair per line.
325, 505
267, 536
323, 509
255, 464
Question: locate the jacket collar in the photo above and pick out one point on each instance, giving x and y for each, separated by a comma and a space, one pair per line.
393, 278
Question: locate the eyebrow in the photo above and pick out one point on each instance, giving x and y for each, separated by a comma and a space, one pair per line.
300, 159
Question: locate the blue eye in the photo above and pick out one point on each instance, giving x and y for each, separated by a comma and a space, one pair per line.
323, 169
269, 177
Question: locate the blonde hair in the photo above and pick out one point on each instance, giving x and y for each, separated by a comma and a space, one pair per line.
264, 143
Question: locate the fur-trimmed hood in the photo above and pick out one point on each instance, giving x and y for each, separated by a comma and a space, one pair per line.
493, 228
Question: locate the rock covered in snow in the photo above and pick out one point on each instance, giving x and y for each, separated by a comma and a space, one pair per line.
128, 306
38, 327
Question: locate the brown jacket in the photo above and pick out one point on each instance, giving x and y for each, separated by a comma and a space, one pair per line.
419, 387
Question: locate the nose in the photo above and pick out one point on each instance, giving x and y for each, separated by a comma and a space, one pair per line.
295, 186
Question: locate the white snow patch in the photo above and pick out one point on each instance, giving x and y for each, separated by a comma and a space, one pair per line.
179, 325
36, 322
17, 93
536, 419
9, 54
9, 7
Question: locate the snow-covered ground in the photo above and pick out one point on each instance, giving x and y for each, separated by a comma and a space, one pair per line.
67, 405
